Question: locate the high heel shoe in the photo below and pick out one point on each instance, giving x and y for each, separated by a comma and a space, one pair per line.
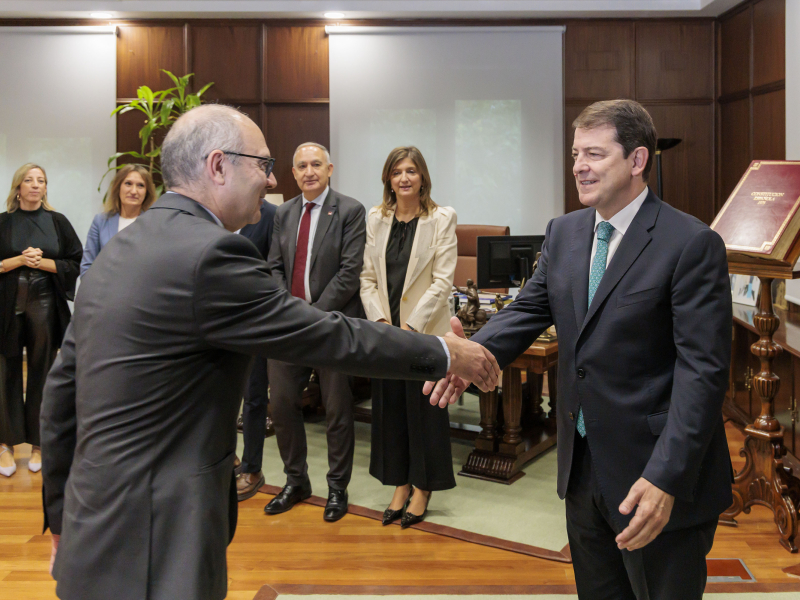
410, 519
10, 470
390, 516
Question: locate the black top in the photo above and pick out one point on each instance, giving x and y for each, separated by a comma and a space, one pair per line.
67, 256
33, 229
398, 253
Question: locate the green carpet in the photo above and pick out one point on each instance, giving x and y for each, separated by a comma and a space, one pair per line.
526, 512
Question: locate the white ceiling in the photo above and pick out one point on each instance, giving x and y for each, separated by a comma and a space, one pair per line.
361, 9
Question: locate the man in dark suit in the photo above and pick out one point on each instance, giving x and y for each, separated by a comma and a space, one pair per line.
640, 297
139, 414
254, 412
317, 253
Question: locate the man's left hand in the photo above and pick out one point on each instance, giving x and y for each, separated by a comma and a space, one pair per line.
54, 551
652, 515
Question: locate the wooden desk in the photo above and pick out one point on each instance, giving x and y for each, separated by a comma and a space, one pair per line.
526, 430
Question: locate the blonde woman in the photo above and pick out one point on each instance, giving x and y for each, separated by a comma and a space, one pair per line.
130, 194
39, 268
409, 264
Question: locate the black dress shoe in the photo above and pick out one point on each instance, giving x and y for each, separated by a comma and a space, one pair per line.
336, 507
287, 498
390, 515
410, 519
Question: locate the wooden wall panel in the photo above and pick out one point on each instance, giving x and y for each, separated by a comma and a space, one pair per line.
769, 41
769, 126
599, 59
288, 126
128, 126
141, 54
674, 60
735, 144
687, 168
296, 63
735, 53
231, 58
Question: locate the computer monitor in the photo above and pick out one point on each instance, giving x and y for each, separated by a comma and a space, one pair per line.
506, 260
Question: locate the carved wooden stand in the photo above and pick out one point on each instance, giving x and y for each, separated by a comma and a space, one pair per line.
764, 479
527, 432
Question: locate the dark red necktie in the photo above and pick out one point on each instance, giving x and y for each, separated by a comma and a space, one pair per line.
301, 254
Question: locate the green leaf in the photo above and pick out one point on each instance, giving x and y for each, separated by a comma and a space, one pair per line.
203, 89
123, 108
154, 153
145, 93
166, 110
171, 76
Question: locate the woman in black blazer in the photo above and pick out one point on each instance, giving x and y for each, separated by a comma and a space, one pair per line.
40, 256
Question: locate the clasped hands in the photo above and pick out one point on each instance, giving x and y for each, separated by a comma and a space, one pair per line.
31, 257
469, 362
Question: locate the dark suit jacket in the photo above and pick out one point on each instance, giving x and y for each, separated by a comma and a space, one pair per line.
261, 233
139, 414
337, 252
648, 361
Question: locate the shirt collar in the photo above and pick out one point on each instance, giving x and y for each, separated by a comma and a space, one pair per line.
623, 219
213, 215
319, 199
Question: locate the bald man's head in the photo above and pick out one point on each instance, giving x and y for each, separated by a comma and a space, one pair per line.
195, 135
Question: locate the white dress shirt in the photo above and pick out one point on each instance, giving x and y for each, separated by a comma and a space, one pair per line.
620, 222
315, 213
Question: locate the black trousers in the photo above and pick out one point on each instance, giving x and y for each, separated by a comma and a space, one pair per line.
410, 438
254, 416
35, 324
670, 567
287, 382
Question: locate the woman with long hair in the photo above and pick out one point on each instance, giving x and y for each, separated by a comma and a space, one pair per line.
39, 259
409, 265
130, 194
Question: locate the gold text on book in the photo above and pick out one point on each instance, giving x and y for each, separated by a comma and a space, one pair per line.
764, 197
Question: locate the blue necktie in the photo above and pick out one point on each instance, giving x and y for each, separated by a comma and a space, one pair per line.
604, 231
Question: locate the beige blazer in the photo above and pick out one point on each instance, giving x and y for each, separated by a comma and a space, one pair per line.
425, 304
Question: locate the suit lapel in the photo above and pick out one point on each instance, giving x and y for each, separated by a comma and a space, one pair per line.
579, 258
382, 230
328, 209
421, 250
112, 226
633, 242
292, 222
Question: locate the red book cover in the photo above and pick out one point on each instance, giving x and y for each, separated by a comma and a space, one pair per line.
762, 215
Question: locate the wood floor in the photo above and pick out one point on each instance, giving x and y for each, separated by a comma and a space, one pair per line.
299, 548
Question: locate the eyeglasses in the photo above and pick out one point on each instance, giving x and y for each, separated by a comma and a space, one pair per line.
264, 163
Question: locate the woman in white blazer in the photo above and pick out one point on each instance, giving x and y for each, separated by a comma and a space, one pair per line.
409, 264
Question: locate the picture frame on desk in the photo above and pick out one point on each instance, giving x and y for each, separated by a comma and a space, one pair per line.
744, 289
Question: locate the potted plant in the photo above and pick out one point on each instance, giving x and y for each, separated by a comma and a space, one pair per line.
161, 109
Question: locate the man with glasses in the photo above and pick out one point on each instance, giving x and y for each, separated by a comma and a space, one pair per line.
317, 254
139, 413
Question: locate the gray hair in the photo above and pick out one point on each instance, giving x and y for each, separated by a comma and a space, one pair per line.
315, 145
194, 136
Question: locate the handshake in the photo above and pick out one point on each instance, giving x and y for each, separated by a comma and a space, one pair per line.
469, 363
